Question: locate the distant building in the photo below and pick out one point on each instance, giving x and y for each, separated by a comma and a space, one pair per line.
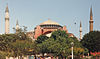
31, 34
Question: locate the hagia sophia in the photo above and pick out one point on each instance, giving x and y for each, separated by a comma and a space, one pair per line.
46, 28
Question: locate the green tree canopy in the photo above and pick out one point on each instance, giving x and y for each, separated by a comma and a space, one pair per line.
2, 55
59, 44
5, 41
91, 41
16, 44
41, 38
59, 33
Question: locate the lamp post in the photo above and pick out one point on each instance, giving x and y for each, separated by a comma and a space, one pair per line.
72, 48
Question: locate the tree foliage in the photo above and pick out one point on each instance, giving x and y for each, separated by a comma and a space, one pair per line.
59, 44
17, 44
2, 55
5, 41
59, 33
41, 38
91, 41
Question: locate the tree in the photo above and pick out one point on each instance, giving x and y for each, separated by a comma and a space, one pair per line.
59, 44
21, 48
58, 47
41, 47
20, 30
15, 45
41, 38
5, 41
2, 55
91, 41
22, 45
58, 33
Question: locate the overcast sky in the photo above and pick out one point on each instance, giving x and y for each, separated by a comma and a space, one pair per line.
65, 12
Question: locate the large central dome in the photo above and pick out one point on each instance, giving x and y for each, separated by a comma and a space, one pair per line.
49, 22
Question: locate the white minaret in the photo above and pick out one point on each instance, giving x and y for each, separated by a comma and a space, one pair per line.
80, 30
7, 20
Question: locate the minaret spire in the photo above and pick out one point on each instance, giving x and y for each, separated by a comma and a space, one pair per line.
80, 30
7, 20
17, 22
91, 20
17, 26
91, 14
7, 10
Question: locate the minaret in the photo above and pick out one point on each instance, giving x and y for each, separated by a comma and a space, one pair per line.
80, 30
7, 20
17, 26
91, 20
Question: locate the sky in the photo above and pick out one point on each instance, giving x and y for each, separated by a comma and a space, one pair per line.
31, 13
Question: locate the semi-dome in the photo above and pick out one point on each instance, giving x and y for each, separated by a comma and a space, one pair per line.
49, 22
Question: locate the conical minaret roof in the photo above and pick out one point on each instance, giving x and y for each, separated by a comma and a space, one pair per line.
80, 27
91, 14
17, 25
7, 10
17, 22
80, 24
